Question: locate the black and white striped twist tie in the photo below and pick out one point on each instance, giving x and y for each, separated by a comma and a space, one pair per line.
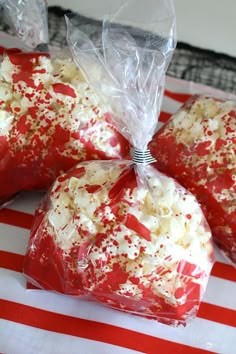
142, 157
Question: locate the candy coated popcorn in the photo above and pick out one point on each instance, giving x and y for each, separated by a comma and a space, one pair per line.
50, 119
198, 147
144, 249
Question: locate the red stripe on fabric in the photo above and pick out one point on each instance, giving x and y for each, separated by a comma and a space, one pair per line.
217, 314
11, 261
92, 330
164, 116
224, 271
16, 218
207, 311
180, 97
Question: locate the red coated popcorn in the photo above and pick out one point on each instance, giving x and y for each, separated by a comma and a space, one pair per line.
98, 234
4, 51
198, 147
50, 119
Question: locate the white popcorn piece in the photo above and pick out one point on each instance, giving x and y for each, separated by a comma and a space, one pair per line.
6, 120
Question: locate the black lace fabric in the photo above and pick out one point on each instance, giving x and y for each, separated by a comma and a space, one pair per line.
189, 62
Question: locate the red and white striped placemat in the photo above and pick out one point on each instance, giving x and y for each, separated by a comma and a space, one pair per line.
35, 321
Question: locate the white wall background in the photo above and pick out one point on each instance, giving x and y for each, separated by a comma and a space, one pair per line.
208, 24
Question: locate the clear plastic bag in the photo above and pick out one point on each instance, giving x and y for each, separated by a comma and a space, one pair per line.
120, 232
29, 21
50, 119
198, 148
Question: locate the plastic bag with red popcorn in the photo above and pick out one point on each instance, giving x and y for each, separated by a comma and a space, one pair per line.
120, 232
197, 146
50, 119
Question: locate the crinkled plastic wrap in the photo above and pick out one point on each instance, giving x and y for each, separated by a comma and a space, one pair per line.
28, 19
120, 232
50, 119
197, 146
